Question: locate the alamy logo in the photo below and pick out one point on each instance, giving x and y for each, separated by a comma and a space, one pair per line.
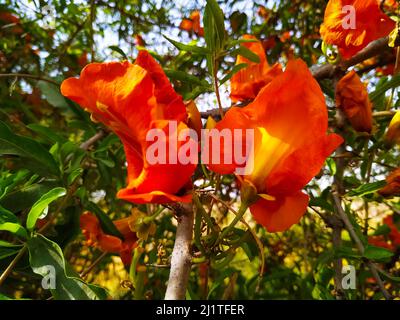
49, 277
349, 20
217, 147
349, 278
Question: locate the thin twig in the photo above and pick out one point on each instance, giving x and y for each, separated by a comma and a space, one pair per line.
258, 242
28, 76
94, 264
92, 140
13, 263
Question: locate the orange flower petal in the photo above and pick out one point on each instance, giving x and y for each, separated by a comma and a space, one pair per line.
108, 243
281, 214
165, 179
246, 83
90, 224
302, 165
152, 197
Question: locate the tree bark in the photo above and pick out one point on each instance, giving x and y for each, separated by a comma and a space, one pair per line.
181, 255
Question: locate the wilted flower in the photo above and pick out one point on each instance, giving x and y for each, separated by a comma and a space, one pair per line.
352, 98
392, 187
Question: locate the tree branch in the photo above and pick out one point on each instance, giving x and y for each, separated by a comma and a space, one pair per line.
359, 244
181, 254
92, 140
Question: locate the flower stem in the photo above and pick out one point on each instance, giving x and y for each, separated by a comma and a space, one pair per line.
216, 88
239, 216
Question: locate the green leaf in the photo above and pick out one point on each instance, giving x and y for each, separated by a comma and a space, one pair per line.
12, 144
185, 77
6, 244
47, 133
119, 50
3, 297
225, 273
107, 162
53, 95
347, 252
188, 48
214, 26
322, 203
367, 189
26, 196
234, 70
331, 165
389, 276
377, 253
234, 43
106, 223
8, 182
380, 90
382, 230
7, 252
74, 175
14, 228
44, 255
42, 204
247, 53
7, 216
196, 92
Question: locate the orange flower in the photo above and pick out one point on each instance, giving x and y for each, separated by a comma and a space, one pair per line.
394, 234
390, 5
246, 83
380, 241
393, 134
387, 70
264, 13
130, 99
193, 24
290, 122
83, 59
352, 98
95, 236
392, 187
285, 36
269, 43
369, 21
392, 240
9, 19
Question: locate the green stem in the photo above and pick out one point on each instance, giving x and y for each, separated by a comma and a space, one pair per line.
239, 216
